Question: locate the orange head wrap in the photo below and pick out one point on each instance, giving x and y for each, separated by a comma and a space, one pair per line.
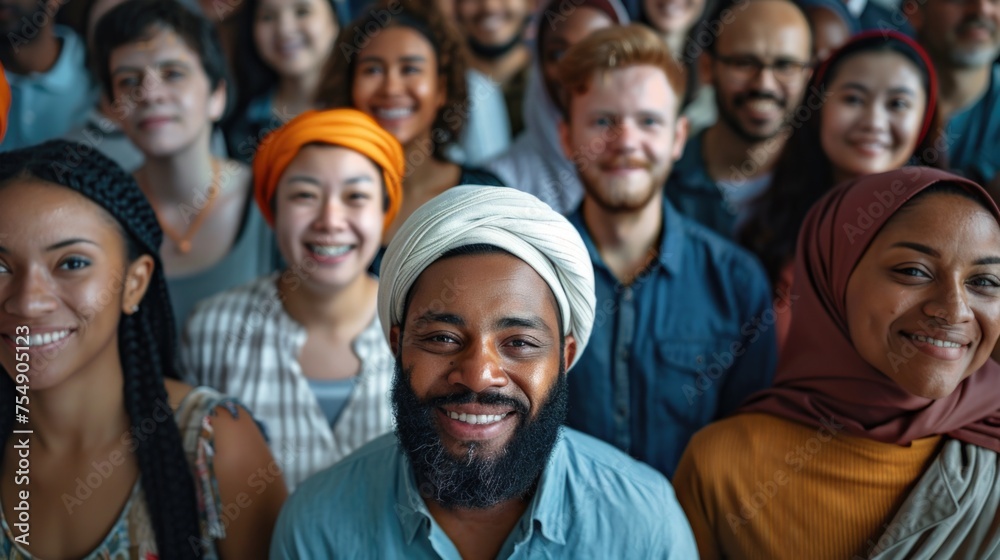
4, 102
348, 128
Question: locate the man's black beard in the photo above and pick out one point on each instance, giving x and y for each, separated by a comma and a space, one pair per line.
474, 481
494, 52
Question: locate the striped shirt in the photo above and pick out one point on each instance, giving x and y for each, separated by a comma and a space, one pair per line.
243, 343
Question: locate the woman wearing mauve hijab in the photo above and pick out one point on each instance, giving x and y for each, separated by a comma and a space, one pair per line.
880, 437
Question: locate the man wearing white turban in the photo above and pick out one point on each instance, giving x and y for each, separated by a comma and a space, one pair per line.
487, 299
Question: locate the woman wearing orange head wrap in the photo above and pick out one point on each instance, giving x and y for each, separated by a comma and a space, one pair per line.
303, 348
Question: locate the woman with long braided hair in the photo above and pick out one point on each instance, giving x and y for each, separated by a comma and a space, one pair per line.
124, 460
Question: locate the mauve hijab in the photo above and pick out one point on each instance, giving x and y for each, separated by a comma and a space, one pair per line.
821, 376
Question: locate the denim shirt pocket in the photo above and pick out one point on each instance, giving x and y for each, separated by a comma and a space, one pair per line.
691, 377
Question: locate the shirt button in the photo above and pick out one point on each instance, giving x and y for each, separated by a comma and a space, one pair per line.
627, 294
29, 116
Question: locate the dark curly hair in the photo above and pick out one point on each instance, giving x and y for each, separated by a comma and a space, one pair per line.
146, 338
424, 17
804, 173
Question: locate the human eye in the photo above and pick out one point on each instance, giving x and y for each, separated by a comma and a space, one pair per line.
410, 69
787, 66
369, 69
74, 263
899, 104
985, 281
651, 120
603, 122
302, 11
911, 272
172, 74
127, 81
4, 269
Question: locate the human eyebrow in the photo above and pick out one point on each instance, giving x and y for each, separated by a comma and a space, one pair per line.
358, 179
531, 322
304, 179
920, 248
902, 90
988, 260
448, 318
68, 242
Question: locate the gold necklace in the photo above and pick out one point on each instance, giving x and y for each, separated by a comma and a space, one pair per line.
182, 242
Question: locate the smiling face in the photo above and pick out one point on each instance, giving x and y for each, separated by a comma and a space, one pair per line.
631, 114
162, 94
492, 23
480, 388
962, 33
294, 37
672, 16
872, 118
756, 104
397, 82
64, 275
564, 34
923, 304
329, 215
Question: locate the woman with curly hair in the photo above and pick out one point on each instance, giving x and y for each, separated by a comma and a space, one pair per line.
125, 460
402, 63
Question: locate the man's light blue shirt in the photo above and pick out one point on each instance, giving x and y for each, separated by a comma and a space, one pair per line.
593, 501
47, 105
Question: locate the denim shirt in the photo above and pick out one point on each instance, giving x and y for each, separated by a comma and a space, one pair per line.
680, 347
370, 506
696, 195
973, 135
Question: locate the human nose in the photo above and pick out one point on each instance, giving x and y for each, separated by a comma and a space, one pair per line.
152, 86
949, 303
331, 216
875, 117
478, 368
392, 83
626, 138
31, 295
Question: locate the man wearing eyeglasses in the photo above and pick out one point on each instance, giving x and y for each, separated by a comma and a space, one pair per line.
756, 57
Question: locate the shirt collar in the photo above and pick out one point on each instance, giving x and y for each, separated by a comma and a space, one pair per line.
66, 73
671, 238
547, 507
690, 172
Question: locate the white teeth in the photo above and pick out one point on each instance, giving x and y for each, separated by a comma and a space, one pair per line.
935, 342
393, 113
47, 338
762, 105
330, 250
476, 418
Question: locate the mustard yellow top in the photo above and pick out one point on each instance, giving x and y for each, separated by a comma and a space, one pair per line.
759, 486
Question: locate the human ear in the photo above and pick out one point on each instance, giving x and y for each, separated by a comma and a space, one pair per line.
137, 277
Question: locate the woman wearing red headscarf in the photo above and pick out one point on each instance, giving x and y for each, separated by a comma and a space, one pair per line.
880, 437
304, 347
869, 108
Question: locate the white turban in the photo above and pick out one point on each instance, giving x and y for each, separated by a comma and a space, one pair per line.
507, 218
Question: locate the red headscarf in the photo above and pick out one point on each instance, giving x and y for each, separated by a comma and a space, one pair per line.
821, 375
4, 102
349, 128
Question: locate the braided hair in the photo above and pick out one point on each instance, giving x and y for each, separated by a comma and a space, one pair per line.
146, 338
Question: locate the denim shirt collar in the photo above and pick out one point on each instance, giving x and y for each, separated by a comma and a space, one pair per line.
671, 238
547, 509
690, 172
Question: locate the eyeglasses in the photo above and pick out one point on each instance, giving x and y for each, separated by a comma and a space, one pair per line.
747, 67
